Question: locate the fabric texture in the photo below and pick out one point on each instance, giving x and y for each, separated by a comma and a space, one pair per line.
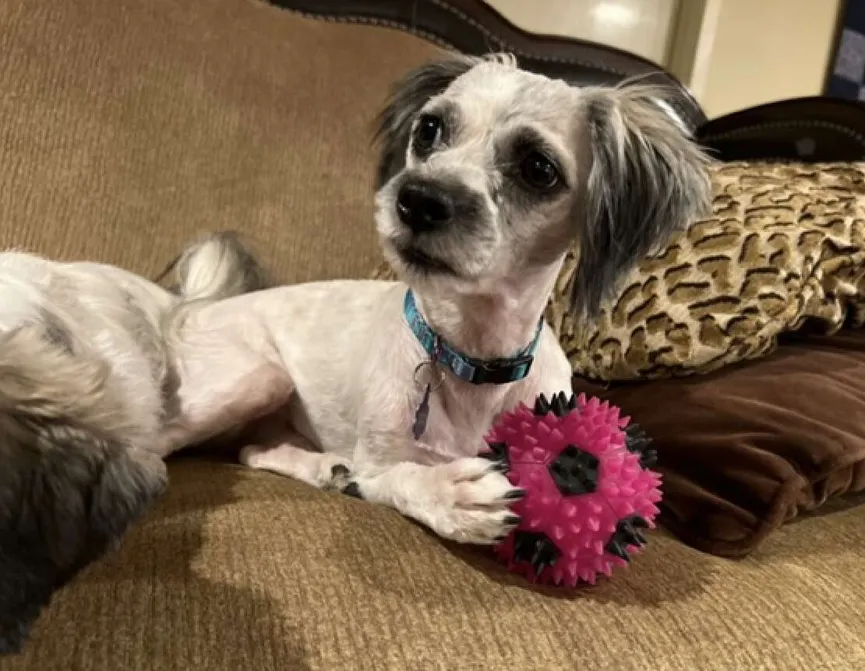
128, 130
243, 570
126, 127
784, 247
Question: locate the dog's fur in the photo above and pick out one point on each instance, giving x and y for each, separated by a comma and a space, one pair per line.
328, 369
84, 380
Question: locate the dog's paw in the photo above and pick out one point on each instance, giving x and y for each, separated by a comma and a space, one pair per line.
469, 501
340, 476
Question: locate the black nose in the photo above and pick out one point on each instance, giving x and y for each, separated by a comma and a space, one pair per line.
424, 206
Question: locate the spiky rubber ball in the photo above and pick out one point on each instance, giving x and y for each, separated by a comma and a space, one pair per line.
590, 493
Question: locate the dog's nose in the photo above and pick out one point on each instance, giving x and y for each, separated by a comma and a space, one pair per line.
424, 206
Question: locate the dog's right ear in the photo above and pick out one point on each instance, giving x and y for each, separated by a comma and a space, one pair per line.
406, 99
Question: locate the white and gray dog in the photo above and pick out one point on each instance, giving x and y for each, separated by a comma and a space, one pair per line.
385, 390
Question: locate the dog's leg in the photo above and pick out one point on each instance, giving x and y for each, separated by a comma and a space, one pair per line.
297, 458
212, 403
228, 375
273, 445
464, 500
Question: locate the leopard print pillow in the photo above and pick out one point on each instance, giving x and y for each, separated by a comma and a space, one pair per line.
785, 246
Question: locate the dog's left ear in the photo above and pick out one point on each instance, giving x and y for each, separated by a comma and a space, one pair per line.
647, 181
407, 97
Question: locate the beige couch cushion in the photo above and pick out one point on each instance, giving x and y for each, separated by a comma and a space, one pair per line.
244, 570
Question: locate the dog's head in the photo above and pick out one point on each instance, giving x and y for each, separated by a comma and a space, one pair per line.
489, 173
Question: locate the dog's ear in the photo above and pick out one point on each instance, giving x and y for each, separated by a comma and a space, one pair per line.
67, 496
647, 181
407, 97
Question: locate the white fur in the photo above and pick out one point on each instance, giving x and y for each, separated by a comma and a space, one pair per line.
344, 357
112, 313
113, 323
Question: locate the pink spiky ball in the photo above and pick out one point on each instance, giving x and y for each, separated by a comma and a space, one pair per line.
589, 493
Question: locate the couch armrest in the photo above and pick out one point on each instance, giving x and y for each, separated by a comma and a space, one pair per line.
815, 129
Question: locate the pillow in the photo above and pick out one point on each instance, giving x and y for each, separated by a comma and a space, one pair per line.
747, 448
785, 246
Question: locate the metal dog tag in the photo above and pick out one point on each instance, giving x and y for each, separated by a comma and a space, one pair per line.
421, 415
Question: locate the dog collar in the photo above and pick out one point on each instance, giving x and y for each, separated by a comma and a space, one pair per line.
469, 369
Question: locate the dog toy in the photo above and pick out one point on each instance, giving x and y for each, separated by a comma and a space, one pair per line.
589, 493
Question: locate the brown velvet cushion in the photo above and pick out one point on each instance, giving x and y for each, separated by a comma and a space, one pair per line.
747, 448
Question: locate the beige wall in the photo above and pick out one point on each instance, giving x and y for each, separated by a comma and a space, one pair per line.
733, 54
749, 52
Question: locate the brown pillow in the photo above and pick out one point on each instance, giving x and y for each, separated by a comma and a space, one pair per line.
749, 447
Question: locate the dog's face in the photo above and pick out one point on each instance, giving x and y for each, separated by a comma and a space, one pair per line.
490, 172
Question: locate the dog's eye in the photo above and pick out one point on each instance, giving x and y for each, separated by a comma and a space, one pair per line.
538, 172
427, 132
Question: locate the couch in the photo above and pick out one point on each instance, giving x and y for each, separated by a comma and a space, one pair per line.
126, 128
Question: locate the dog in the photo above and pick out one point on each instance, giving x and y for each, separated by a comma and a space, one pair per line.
85, 392
385, 390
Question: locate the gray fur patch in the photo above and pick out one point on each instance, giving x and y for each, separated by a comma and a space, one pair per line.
56, 332
66, 497
648, 180
407, 98
69, 486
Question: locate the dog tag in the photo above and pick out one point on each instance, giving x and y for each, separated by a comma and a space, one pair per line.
421, 414
436, 377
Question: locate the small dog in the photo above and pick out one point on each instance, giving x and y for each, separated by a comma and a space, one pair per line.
385, 390
85, 391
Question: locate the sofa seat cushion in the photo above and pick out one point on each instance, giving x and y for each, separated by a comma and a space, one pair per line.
238, 569
128, 128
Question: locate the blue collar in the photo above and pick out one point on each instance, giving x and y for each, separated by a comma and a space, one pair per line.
476, 371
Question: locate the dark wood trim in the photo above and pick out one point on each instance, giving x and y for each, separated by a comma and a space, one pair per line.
814, 129
473, 27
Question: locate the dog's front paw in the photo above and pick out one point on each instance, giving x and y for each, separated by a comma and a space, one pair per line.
468, 501
340, 477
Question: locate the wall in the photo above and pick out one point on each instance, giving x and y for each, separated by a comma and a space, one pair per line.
642, 27
749, 52
733, 54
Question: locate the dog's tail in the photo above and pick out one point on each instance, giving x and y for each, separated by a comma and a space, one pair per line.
217, 266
